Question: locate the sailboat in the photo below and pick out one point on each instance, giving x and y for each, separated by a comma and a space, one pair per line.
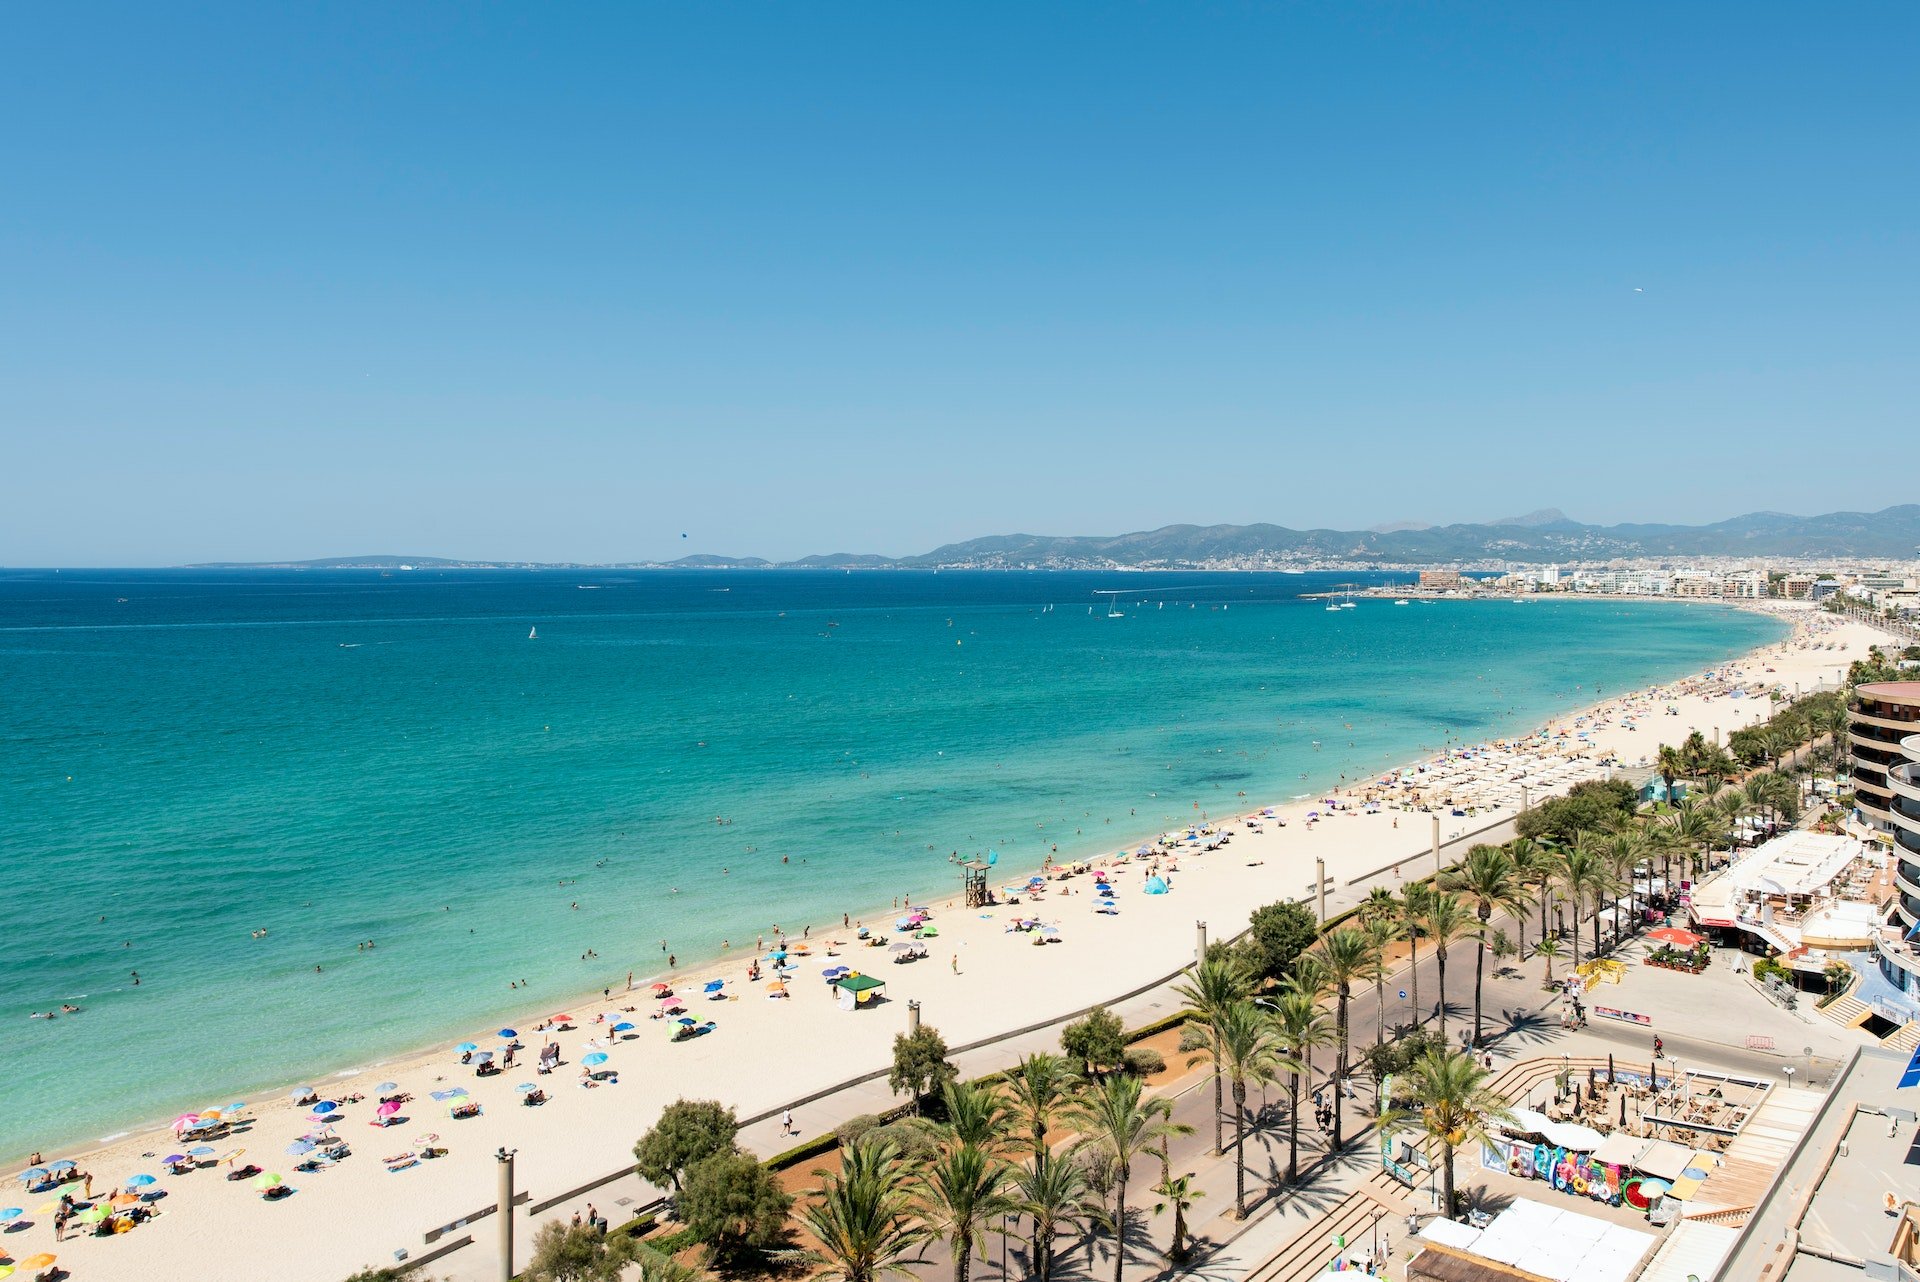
533, 634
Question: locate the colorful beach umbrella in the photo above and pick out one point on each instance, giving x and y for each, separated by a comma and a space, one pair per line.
10, 1213
594, 1060
662, 987
687, 1022
561, 1019
300, 1148
389, 1108
201, 1150
267, 1181
140, 1181
39, 1261
387, 1086
33, 1173
508, 1032
526, 1088
623, 1027
65, 1164
325, 1107
94, 1214
714, 985
465, 1048
183, 1122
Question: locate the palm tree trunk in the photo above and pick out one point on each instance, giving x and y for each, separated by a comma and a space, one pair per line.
1446, 1178
1239, 1147
1479, 966
1380, 1008
1218, 1105
1340, 1069
1440, 951
1293, 1128
962, 1256
1413, 974
1120, 1224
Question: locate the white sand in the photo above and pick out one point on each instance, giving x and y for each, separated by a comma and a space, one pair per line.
767, 1052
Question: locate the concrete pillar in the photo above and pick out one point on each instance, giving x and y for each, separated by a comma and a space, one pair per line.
1199, 942
913, 1017
1526, 797
504, 1162
1320, 889
1436, 845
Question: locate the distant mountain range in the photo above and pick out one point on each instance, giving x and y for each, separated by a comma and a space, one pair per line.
1537, 538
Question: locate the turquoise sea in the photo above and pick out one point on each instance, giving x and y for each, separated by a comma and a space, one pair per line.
188, 757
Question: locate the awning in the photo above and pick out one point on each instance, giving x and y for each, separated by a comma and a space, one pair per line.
1567, 1135
1663, 1158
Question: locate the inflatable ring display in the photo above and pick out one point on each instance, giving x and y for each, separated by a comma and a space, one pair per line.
1580, 1184
1513, 1164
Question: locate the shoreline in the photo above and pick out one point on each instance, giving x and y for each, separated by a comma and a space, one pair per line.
707, 967
769, 1053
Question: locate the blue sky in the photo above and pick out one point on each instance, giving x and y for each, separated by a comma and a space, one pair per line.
566, 281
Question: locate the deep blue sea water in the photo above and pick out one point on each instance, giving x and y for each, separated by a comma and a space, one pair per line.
187, 757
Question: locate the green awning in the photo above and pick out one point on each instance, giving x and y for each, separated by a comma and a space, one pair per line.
860, 983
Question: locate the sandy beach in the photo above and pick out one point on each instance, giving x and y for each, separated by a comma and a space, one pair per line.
980, 977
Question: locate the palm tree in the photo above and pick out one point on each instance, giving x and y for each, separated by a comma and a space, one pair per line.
1382, 933
1488, 882
1672, 764
977, 1114
1580, 869
1533, 865
1730, 808
1040, 1090
1689, 829
961, 1190
862, 1215
1115, 1120
1547, 949
1623, 852
1180, 1193
1055, 1194
1445, 1096
1301, 1026
1447, 919
1592, 877
1248, 1048
1413, 909
1348, 958
1216, 987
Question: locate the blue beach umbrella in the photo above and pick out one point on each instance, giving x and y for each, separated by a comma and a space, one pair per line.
387, 1086
466, 1047
140, 1181
200, 1150
526, 1088
63, 1165
324, 1107
10, 1213
713, 985
623, 1027
594, 1060
687, 1022
299, 1148
508, 1032
34, 1173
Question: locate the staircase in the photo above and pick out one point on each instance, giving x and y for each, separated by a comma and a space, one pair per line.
1905, 1038
1847, 1010
1353, 1218
1733, 1217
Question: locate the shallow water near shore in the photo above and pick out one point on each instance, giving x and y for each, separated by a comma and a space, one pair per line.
188, 758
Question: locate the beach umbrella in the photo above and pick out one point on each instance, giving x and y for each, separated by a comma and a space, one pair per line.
899, 948
10, 1213
267, 1181
43, 1260
713, 985
183, 1122
594, 1060
299, 1093
662, 988
526, 1088
687, 1023
561, 1019
674, 1007
903, 923
200, 1150
466, 1048
74, 1189
300, 1148
66, 1164
482, 1057
34, 1173
928, 932
140, 1181
6, 1270
776, 987
94, 1214
389, 1108
624, 1026
387, 1086
212, 1115
508, 1032
325, 1107
173, 1159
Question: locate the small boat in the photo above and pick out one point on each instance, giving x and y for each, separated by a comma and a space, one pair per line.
533, 634
1403, 601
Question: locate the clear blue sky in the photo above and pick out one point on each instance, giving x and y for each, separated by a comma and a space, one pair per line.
566, 281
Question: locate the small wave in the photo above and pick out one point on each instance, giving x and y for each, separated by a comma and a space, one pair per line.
117, 1135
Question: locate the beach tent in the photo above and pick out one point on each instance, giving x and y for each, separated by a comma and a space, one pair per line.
857, 990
